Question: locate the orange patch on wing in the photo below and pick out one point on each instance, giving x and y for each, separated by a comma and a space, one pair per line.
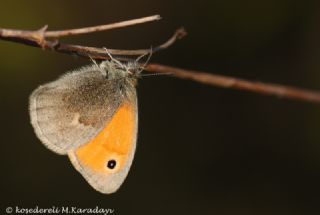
115, 141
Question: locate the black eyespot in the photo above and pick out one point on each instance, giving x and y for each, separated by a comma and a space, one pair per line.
111, 164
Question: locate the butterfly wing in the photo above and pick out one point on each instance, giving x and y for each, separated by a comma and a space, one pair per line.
105, 161
72, 110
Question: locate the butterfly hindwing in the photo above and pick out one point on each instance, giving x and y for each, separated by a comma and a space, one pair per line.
105, 161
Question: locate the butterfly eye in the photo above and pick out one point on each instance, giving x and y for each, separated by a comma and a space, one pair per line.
111, 164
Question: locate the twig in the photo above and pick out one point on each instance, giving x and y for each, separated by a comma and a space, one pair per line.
39, 39
237, 83
12, 33
179, 34
88, 30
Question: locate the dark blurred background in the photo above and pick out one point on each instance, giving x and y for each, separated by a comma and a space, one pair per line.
201, 149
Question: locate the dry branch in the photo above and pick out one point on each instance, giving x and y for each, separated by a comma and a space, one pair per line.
237, 83
87, 30
40, 39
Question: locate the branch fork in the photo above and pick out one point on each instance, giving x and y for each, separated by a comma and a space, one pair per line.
40, 39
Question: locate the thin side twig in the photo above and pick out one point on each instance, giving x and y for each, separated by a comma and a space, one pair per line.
88, 30
43, 33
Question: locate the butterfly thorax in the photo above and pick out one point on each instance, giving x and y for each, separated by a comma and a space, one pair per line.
124, 74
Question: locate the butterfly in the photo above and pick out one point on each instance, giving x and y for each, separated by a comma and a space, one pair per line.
91, 115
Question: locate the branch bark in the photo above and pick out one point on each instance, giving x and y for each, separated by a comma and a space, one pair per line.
239, 84
88, 30
40, 39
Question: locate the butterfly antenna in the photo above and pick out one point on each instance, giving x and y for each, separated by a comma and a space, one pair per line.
113, 59
147, 61
95, 63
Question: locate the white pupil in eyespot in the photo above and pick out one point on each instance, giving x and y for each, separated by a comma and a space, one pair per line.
111, 164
